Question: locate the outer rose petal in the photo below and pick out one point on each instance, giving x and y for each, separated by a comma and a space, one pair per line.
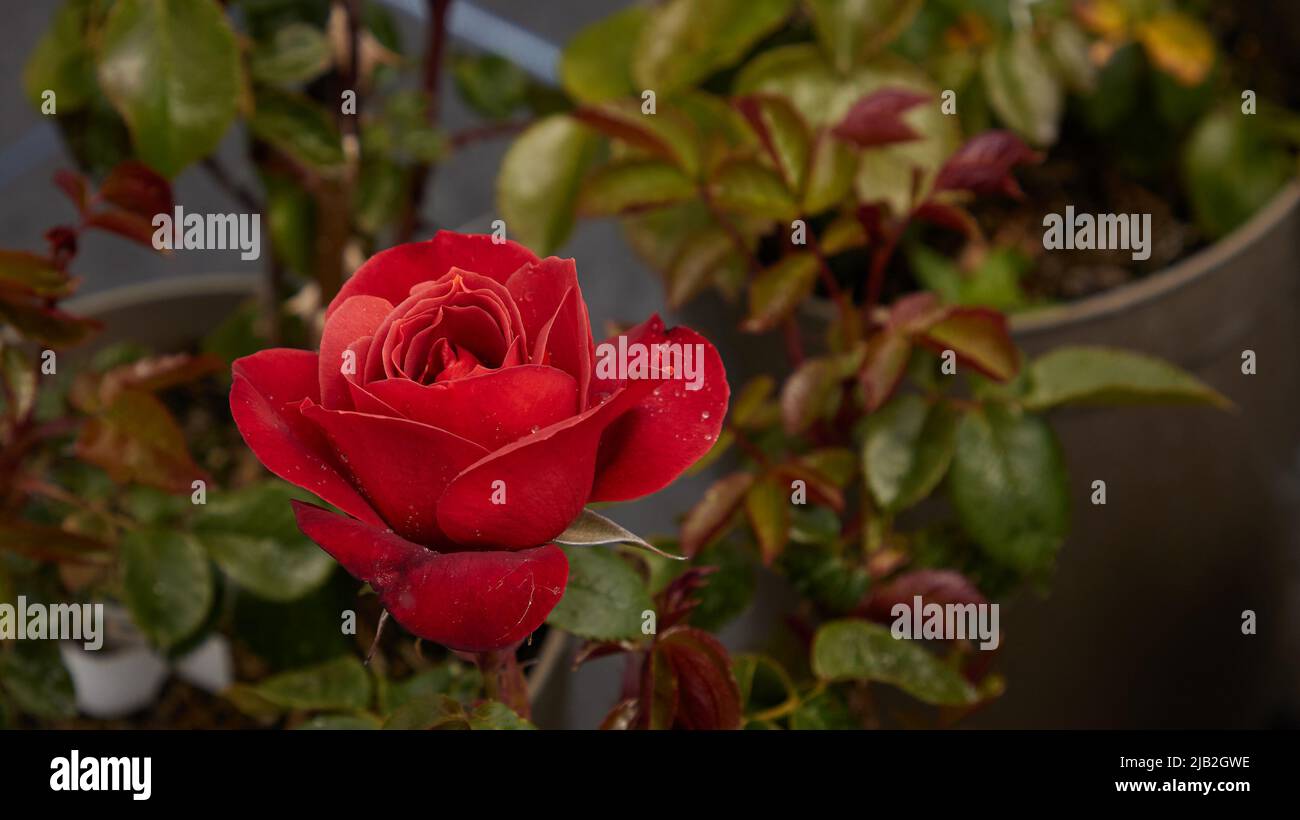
403, 466
668, 430
471, 601
392, 273
355, 319
492, 409
547, 479
268, 387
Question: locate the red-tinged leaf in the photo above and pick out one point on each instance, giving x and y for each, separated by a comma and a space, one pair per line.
767, 507
46, 543
50, 326
749, 188
714, 509
821, 487
135, 439
983, 165
675, 602
980, 337
32, 273
778, 290
666, 133
915, 312
782, 132
154, 373
806, 394
75, 185
934, 586
623, 716
591, 650
125, 224
138, 189
877, 118
708, 696
658, 706
947, 215
883, 367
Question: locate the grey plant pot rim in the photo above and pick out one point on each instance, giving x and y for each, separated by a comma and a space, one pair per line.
1147, 289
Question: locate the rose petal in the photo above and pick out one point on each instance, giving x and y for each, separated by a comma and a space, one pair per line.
669, 429
540, 288
392, 273
493, 409
565, 342
355, 319
470, 601
264, 398
547, 479
402, 466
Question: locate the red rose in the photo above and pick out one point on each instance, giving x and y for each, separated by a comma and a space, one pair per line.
456, 411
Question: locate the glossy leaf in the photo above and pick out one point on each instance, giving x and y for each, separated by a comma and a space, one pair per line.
32, 674
979, 337
1023, 88
135, 438
860, 650
171, 68
594, 66
782, 133
342, 683
166, 584
604, 597
713, 511
1100, 375
767, 508
63, 60
906, 451
851, 30
1008, 486
297, 53
685, 41
666, 134
751, 189
537, 188
633, 185
298, 127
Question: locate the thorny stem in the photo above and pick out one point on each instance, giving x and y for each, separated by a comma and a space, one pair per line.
423, 173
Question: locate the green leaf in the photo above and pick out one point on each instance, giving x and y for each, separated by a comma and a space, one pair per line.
784, 135
633, 185
751, 189
685, 41
1008, 485
763, 683
767, 507
668, 134
850, 30
429, 712
708, 256
807, 393
496, 715
830, 175
34, 677
18, 377
729, 589
171, 68
1101, 375
342, 683
1023, 88
594, 66
1231, 169
604, 598
166, 584
298, 127
492, 85
907, 448
252, 536
823, 712
537, 187
62, 61
713, 511
353, 722
859, 650
777, 291
821, 574
297, 54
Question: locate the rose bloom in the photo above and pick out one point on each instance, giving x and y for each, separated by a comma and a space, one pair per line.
454, 375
